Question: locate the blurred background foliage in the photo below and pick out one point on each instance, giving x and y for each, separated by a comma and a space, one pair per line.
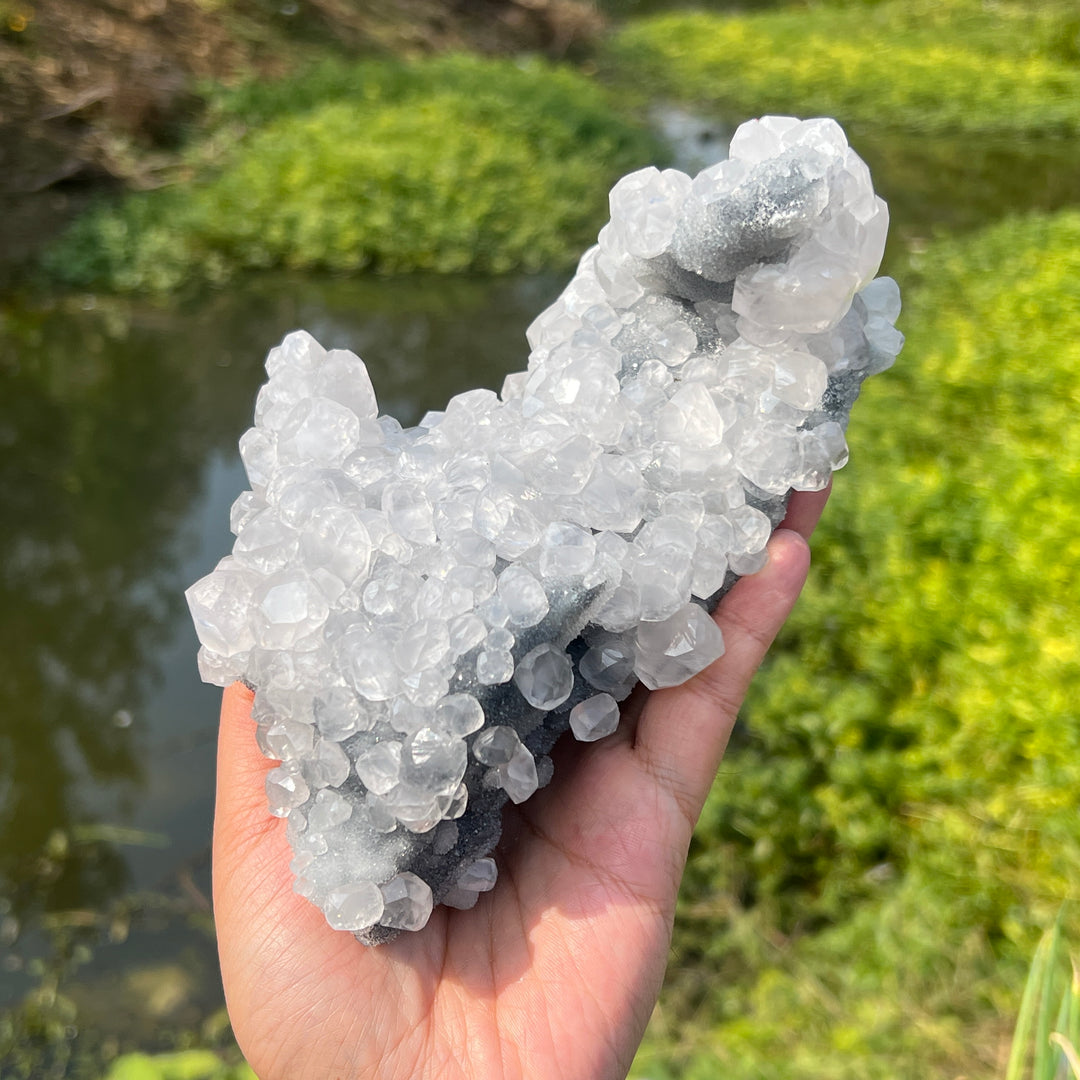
454, 164
922, 65
896, 822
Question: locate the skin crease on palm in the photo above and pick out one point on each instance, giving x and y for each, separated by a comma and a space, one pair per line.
555, 972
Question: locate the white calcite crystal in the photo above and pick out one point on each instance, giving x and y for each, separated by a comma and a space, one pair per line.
423, 612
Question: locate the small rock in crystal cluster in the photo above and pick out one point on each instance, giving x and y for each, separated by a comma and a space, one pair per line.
423, 612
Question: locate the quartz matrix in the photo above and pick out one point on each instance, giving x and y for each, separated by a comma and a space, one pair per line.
422, 612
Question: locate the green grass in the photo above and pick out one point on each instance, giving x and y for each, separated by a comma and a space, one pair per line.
456, 164
1048, 1027
899, 817
183, 1065
960, 66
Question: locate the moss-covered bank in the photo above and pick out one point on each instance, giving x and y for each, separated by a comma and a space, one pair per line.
454, 164
959, 66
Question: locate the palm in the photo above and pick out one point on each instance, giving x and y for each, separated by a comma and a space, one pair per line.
554, 972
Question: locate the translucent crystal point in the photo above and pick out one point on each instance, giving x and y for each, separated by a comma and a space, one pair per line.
479, 876
407, 902
355, 907
673, 650
594, 717
286, 789
518, 777
545, 676
496, 745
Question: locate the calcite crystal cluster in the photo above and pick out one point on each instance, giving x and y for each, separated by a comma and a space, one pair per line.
422, 612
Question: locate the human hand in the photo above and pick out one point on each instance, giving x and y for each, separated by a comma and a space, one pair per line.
555, 972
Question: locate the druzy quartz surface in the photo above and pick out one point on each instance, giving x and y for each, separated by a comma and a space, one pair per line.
423, 612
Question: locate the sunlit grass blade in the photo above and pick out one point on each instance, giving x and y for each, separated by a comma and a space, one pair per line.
1072, 1023
1044, 1054
1026, 1018
1069, 1051
101, 832
1060, 1035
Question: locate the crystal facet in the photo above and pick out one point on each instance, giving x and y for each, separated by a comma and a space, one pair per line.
594, 717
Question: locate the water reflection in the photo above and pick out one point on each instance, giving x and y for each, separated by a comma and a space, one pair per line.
118, 427
91, 489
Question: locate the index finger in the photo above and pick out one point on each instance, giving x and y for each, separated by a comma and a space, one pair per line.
683, 731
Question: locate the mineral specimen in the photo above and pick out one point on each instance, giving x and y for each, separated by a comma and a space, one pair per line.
423, 612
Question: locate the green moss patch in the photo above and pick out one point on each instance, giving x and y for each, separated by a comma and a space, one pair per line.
958, 66
456, 164
183, 1065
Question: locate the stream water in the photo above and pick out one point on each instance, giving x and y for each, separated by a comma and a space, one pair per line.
118, 429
